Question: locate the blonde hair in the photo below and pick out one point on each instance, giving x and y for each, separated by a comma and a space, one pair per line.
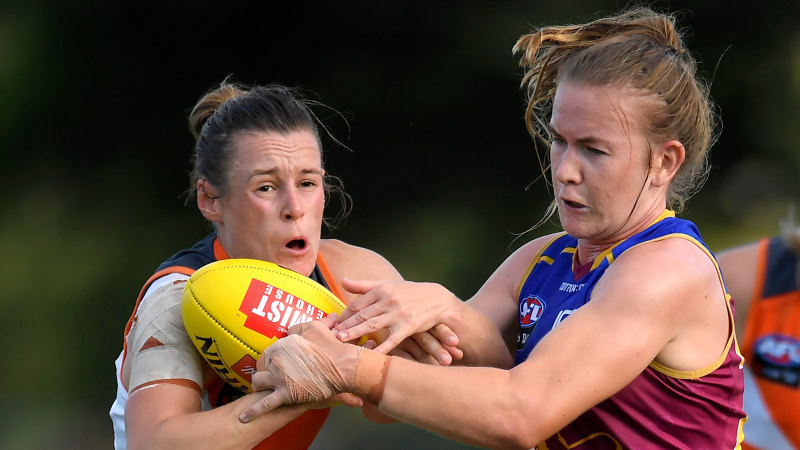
637, 49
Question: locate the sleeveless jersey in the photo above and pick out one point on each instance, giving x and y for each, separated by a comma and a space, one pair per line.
771, 345
298, 434
660, 408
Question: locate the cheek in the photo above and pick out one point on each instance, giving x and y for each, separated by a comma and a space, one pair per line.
318, 204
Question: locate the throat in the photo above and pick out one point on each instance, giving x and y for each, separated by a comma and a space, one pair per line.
578, 269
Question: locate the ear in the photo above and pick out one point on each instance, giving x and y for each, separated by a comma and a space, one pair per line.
667, 159
208, 201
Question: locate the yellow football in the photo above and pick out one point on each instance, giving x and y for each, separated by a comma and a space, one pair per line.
235, 308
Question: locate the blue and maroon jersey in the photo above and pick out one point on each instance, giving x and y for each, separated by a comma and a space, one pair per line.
662, 407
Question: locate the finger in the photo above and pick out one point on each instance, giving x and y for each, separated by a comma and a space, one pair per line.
369, 326
403, 354
420, 354
431, 346
263, 361
263, 380
455, 352
300, 327
263, 406
370, 344
330, 320
367, 296
359, 286
444, 334
348, 399
392, 341
356, 307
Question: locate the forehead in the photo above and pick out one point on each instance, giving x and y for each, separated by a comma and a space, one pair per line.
271, 150
604, 112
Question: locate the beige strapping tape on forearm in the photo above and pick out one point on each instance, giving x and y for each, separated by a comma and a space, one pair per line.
310, 374
371, 375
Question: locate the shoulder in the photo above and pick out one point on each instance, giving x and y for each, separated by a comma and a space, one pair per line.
163, 294
519, 262
671, 278
354, 262
666, 261
508, 277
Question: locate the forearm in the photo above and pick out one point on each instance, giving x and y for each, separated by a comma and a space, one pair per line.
480, 340
477, 405
218, 428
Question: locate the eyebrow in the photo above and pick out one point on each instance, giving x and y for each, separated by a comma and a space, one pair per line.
581, 141
275, 170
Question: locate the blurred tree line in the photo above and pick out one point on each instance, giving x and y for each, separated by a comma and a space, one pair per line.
95, 149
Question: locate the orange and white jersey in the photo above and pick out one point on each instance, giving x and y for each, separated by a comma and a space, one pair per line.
771, 347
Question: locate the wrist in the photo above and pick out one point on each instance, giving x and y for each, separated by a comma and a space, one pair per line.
371, 371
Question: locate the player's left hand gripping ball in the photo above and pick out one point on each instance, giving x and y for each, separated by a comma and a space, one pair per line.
235, 308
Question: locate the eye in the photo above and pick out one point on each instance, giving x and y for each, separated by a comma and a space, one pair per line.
308, 183
557, 141
266, 188
595, 151
555, 138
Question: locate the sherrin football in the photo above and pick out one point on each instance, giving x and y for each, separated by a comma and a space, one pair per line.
235, 308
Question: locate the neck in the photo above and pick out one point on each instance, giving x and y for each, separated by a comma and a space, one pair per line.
589, 248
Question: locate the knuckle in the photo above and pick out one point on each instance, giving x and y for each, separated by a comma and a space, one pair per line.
372, 325
355, 306
362, 315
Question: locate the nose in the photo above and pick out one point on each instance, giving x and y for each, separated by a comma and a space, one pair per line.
292, 208
566, 166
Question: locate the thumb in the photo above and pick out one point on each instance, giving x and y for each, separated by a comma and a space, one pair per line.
359, 286
263, 406
329, 320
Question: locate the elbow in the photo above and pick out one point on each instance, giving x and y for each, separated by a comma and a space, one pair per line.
516, 432
521, 441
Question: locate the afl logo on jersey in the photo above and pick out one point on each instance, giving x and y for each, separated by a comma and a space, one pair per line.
776, 357
530, 310
779, 350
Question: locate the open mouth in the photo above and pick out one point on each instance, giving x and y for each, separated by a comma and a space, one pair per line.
572, 204
296, 244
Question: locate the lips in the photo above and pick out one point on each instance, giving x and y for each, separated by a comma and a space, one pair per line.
296, 244
571, 203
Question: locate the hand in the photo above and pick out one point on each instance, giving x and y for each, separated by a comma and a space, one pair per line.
425, 348
304, 367
404, 309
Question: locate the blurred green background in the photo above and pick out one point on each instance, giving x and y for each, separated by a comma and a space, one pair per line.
94, 152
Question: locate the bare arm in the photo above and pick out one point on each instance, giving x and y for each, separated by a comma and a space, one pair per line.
632, 319
348, 262
164, 372
738, 266
169, 416
485, 325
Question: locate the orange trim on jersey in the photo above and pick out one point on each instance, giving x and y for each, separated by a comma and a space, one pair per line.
219, 252
328, 276
176, 381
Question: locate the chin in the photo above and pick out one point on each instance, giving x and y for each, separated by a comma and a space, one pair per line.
576, 231
302, 267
